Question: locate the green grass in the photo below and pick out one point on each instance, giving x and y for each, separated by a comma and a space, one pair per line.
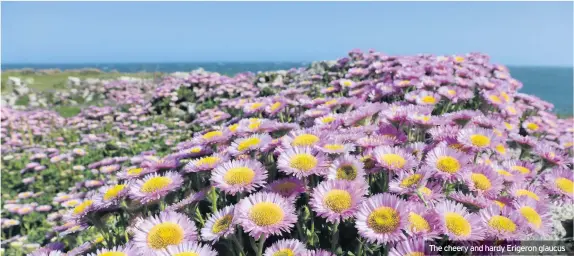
68, 111
58, 81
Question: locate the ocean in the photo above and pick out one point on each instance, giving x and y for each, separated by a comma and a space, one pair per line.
552, 84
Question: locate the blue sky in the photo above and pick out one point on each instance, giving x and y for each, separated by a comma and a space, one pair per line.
512, 33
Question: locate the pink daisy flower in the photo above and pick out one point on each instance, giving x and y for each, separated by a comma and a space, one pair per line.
394, 158
446, 163
239, 176
482, 179
266, 214
154, 186
188, 248
289, 188
301, 162
503, 223
457, 223
337, 200
219, 225
247, 144
381, 219
158, 232
287, 247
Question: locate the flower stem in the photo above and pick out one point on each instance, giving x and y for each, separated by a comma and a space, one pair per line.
335, 236
260, 248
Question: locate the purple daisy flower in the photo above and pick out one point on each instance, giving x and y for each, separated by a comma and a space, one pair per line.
289, 188
188, 248
422, 222
337, 200
412, 246
346, 167
245, 145
457, 223
409, 181
476, 138
302, 138
287, 247
502, 223
381, 219
266, 214
154, 186
239, 176
559, 182
119, 250
335, 147
212, 137
111, 195
132, 173
219, 225
446, 163
536, 215
301, 162
521, 191
482, 179
394, 158
205, 163
155, 233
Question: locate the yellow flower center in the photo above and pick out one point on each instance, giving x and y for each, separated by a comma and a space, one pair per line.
504, 173
565, 185
327, 119
524, 192
222, 224
112, 254
428, 99
212, 134
502, 223
266, 214
239, 176
500, 204
331, 102
495, 99
480, 181
114, 191
304, 162
384, 220
195, 150
404, 82
284, 252
275, 106
520, 169
256, 105
248, 143
254, 124
531, 216
347, 83
305, 140
479, 140
337, 200
448, 164
334, 147
532, 126
418, 223
233, 127
209, 161
394, 160
82, 207
500, 149
135, 171
457, 224
425, 190
165, 234
508, 126
411, 180
187, 254
155, 183
415, 254
346, 172
505, 96
459, 59
451, 92
511, 109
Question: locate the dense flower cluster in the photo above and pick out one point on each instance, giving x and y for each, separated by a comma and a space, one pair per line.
373, 153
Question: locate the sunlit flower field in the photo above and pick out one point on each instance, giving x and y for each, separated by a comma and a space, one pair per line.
368, 155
